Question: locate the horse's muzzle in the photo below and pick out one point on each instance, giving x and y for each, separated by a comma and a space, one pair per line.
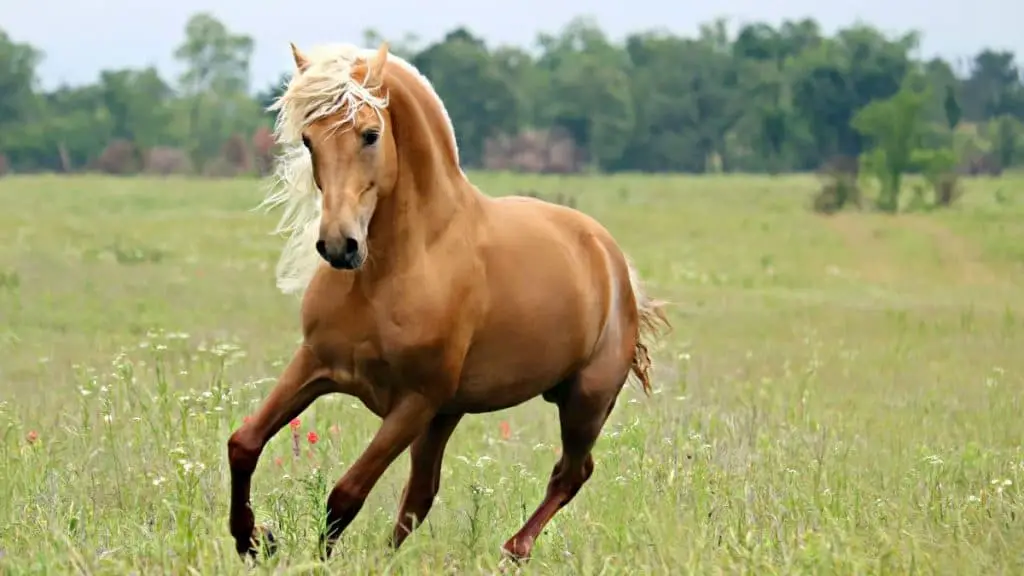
343, 255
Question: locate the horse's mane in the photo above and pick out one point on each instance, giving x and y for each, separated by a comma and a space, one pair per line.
324, 88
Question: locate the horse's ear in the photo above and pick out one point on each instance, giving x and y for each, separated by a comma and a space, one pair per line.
301, 62
375, 67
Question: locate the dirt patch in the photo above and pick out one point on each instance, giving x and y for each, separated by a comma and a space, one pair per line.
954, 250
869, 250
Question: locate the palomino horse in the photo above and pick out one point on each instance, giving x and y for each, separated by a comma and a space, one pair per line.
426, 299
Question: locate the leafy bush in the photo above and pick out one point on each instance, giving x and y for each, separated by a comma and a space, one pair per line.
235, 152
839, 186
263, 150
557, 198
939, 169
119, 157
164, 161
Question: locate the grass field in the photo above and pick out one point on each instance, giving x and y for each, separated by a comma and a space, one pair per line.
839, 395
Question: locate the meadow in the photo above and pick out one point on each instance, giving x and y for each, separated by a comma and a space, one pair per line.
839, 394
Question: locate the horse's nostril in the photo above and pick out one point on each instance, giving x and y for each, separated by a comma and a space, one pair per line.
321, 247
351, 245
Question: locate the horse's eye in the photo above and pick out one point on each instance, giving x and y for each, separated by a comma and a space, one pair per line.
370, 137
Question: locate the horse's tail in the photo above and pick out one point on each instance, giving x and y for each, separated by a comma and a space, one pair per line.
652, 317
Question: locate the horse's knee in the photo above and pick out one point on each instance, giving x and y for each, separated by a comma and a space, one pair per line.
243, 452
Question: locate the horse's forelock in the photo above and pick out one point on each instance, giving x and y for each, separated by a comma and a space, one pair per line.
327, 86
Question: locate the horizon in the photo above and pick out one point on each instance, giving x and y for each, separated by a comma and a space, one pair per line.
134, 36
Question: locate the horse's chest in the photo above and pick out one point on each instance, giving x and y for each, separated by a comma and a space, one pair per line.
381, 351
398, 336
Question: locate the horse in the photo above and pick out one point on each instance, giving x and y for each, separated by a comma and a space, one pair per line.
426, 299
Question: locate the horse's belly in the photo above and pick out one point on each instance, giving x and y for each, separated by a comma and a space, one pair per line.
491, 390
512, 365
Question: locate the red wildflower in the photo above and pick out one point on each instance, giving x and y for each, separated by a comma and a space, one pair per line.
32, 436
278, 462
312, 437
295, 424
506, 430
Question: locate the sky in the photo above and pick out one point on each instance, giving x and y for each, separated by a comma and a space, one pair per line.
82, 37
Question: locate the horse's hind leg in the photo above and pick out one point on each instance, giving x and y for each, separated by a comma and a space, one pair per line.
426, 453
584, 404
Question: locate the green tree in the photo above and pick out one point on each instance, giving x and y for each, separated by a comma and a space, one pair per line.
1006, 133
481, 101
215, 85
952, 108
833, 81
19, 103
587, 92
894, 127
994, 86
137, 101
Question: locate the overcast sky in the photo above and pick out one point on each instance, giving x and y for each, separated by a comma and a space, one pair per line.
81, 37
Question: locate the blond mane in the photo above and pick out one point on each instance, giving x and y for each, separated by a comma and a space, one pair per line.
324, 88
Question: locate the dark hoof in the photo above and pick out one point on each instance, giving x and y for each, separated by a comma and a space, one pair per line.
512, 558
511, 563
263, 538
327, 548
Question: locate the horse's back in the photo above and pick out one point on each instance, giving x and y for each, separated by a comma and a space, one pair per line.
549, 236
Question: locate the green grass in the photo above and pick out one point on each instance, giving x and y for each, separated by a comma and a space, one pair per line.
839, 395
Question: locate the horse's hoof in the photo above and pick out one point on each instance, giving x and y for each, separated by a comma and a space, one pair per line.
509, 564
511, 561
326, 548
265, 539
262, 538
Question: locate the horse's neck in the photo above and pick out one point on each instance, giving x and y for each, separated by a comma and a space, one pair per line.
414, 216
431, 190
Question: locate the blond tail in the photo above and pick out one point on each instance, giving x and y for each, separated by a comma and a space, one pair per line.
652, 319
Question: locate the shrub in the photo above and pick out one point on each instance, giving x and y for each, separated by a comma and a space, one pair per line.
165, 161
263, 149
939, 170
537, 151
557, 198
839, 187
220, 167
235, 151
119, 157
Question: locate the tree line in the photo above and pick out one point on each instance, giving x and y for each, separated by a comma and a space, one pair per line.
763, 99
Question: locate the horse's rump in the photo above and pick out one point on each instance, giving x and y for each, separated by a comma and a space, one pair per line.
651, 317
556, 284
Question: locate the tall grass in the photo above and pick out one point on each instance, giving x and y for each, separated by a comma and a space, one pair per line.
840, 394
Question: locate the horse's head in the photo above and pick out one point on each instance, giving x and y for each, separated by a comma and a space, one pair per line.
339, 111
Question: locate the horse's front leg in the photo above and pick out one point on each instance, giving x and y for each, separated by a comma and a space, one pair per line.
408, 418
302, 382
